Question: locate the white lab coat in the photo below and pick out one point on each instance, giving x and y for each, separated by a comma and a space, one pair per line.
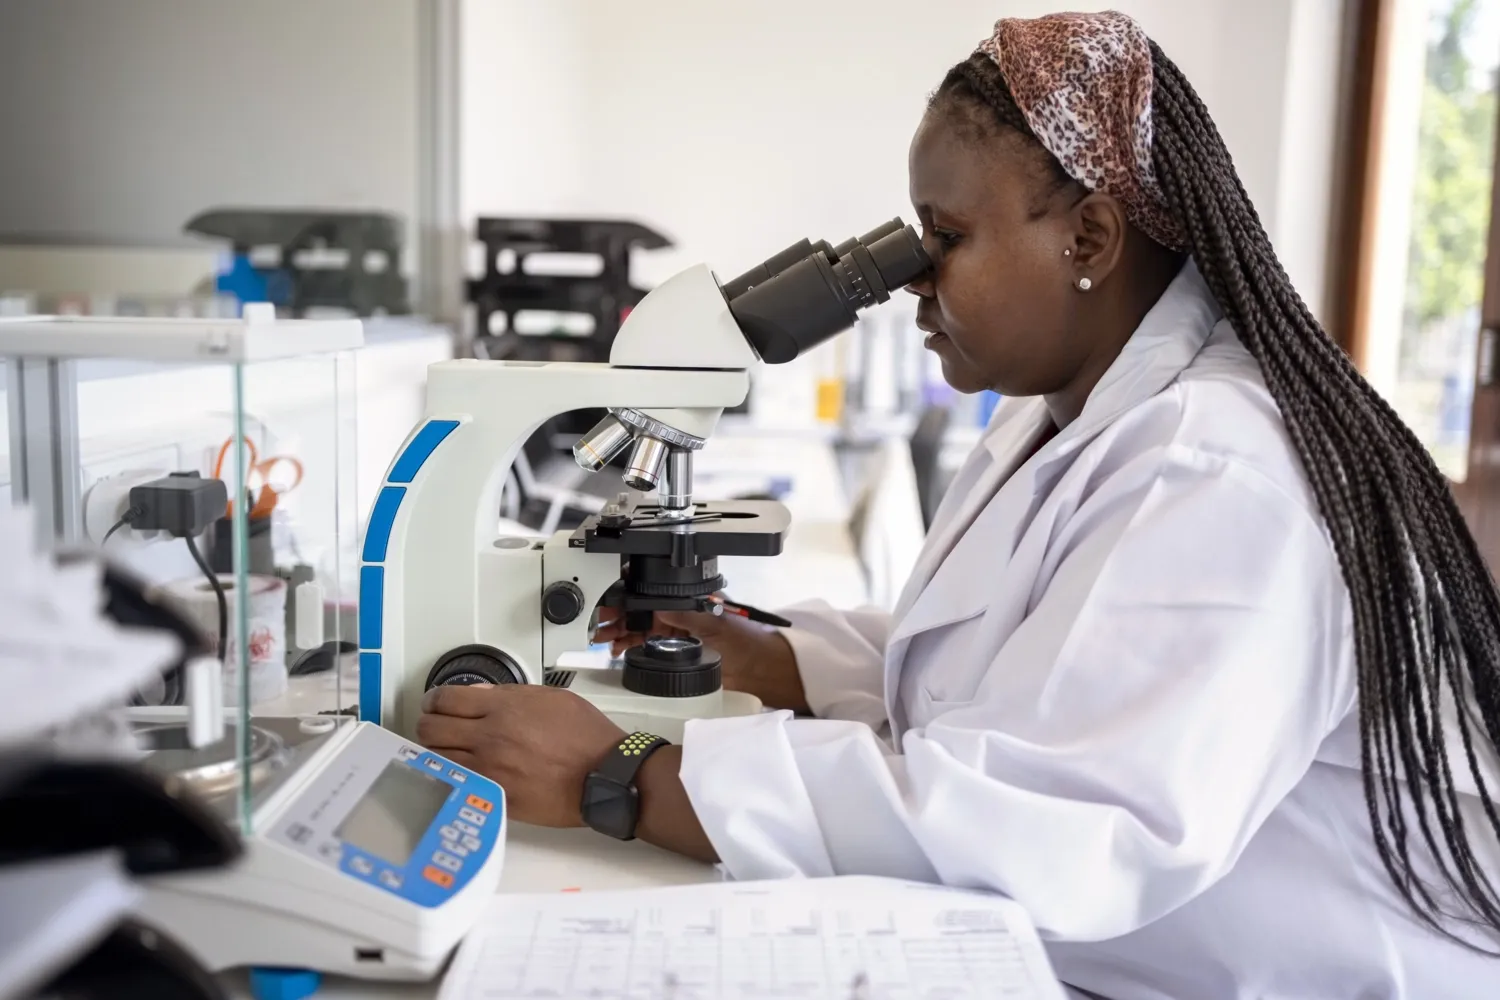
1119, 688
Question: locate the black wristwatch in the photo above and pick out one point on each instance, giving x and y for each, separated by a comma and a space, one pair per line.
611, 803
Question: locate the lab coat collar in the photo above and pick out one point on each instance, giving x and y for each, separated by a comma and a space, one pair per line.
1004, 478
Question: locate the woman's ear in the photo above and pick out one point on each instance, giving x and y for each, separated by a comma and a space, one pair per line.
1099, 230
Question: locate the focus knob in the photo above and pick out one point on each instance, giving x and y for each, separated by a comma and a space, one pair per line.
475, 665
672, 667
562, 602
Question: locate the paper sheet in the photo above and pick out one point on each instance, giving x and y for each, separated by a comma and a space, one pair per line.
60, 657
845, 939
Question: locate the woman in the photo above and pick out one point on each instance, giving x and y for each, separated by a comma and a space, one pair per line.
1176, 668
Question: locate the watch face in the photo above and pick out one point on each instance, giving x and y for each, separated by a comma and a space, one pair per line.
609, 806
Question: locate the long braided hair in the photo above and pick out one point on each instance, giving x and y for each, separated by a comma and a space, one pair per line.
1426, 611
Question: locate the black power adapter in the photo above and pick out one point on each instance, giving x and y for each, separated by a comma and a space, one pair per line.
183, 504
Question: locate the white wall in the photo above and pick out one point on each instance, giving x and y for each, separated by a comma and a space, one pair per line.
524, 118
121, 119
739, 128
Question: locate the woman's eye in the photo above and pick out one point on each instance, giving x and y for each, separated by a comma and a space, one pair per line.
946, 238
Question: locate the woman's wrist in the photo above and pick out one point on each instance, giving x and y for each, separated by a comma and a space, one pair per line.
666, 818
778, 680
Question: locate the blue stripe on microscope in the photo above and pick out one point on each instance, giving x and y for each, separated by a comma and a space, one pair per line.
419, 449
371, 606
377, 542
382, 520
369, 687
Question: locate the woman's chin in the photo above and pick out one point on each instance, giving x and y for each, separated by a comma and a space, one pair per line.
960, 378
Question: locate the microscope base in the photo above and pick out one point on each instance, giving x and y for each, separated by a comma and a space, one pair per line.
664, 717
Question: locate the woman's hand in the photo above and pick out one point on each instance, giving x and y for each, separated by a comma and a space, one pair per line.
757, 659
538, 743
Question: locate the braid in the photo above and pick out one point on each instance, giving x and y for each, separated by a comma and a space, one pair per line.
1426, 610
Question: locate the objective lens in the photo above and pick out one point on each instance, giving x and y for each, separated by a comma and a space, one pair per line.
676, 491
644, 467
601, 444
814, 299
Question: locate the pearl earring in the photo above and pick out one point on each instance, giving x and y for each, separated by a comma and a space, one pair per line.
1084, 284
1068, 253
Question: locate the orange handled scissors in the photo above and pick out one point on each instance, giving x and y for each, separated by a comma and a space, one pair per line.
265, 502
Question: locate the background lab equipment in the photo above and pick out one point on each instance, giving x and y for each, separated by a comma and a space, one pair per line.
509, 286
445, 601
301, 260
359, 852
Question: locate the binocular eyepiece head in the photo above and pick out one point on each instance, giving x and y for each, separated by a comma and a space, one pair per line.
809, 292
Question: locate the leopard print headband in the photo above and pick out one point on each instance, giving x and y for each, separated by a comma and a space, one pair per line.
1083, 82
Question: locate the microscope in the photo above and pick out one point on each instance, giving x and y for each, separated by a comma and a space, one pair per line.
446, 599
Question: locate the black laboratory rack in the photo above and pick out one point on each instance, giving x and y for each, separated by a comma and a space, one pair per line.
309, 259
506, 289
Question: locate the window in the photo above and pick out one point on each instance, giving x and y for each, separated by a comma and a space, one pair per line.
1425, 212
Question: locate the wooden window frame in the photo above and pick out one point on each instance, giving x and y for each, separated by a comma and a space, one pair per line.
1368, 42
1366, 60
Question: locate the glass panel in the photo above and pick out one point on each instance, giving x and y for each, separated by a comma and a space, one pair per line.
301, 544
1449, 199
272, 572
143, 430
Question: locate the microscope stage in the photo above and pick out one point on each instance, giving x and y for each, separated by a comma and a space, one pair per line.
727, 528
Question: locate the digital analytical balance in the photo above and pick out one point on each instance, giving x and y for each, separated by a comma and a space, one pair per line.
363, 854
368, 856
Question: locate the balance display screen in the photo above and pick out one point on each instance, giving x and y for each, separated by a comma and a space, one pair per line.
394, 814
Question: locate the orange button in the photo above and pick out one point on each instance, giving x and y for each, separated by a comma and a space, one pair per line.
481, 804
439, 876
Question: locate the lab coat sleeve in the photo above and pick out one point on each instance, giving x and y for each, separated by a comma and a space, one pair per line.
841, 659
1182, 661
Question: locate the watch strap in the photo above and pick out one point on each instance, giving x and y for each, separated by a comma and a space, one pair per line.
627, 757
611, 802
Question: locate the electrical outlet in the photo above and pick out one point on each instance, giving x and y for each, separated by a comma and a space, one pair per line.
106, 500
166, 456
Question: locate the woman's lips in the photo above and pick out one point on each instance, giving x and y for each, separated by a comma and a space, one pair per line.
933, 339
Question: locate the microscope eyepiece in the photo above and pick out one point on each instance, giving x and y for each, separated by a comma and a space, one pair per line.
770, 267
815, 298
899, 256
868, 239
